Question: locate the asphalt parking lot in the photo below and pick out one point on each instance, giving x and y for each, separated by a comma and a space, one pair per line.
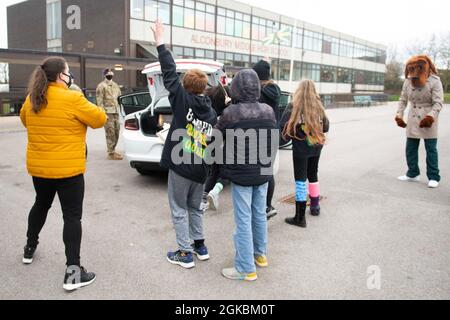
370, 221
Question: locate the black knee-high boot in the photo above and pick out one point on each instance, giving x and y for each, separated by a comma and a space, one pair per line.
299, 220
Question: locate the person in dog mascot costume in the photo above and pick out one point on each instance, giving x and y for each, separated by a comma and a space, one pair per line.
423, 91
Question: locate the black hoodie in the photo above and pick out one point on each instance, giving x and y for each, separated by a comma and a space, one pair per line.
246, 113
271, 95
191, 113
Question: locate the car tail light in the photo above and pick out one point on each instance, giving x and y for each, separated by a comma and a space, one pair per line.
164, 118
132, 124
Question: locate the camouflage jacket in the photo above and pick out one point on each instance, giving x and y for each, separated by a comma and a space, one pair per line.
107, 93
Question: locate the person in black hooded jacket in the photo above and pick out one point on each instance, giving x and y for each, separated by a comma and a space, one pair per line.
193, 121
271, 95
248, 171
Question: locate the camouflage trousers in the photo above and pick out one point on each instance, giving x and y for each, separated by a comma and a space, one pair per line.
112, 130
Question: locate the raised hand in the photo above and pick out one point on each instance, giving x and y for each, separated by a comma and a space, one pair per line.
158, 32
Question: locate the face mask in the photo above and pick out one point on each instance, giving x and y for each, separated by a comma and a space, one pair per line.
109, 77
68, 84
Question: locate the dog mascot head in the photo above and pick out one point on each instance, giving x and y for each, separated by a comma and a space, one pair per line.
418, 69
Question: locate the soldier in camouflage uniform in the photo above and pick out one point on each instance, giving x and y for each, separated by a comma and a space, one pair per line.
107, 93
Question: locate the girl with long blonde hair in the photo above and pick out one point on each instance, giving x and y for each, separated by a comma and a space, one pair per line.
305, 123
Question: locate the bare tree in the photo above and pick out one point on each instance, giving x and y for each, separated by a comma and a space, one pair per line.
437, 47
394, 71
415, 47
445, 51
392, 53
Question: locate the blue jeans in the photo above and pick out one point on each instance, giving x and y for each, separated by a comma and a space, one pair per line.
250, 237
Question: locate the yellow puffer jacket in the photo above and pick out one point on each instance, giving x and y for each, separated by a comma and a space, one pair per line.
57, 134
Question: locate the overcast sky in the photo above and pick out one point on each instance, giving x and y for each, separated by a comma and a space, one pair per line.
380, 21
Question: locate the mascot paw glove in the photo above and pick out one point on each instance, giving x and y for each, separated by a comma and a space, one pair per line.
427, 122
400, 122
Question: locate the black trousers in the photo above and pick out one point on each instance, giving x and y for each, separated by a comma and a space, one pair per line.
270, 192
71, 194
306, 169
214, 177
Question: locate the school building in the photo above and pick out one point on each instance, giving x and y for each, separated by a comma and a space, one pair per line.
224, 30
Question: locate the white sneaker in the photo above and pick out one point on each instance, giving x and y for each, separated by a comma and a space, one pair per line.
433, 184
204, 206
406, 178
213, 200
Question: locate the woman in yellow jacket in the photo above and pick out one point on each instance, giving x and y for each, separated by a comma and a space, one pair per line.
56, 119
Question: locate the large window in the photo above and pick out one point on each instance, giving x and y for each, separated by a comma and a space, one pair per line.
298, 38
346, 48
297, 71
233, 23
344, 75
360, 77
369, 53
368, 77
359, 52
312, 41
54, 27
286, 35
379, 79
274, 69
151, 10
187, 53
194, 15
311, 71
285, 69
330, 45
327, 74
263, 28
381, 56
137, 9
234, 59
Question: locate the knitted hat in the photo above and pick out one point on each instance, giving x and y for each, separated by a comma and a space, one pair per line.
262, 68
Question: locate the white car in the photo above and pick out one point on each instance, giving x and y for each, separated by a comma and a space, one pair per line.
147, 113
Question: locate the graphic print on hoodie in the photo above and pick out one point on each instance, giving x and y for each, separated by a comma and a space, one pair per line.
194, 115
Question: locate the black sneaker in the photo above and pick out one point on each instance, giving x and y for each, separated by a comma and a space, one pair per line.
28, 253
271, 212
184, 259
77, 277
315, 211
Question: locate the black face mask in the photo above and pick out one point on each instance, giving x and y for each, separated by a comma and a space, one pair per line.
109, 77
68, 84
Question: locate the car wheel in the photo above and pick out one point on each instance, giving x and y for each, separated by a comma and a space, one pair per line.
144, 172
